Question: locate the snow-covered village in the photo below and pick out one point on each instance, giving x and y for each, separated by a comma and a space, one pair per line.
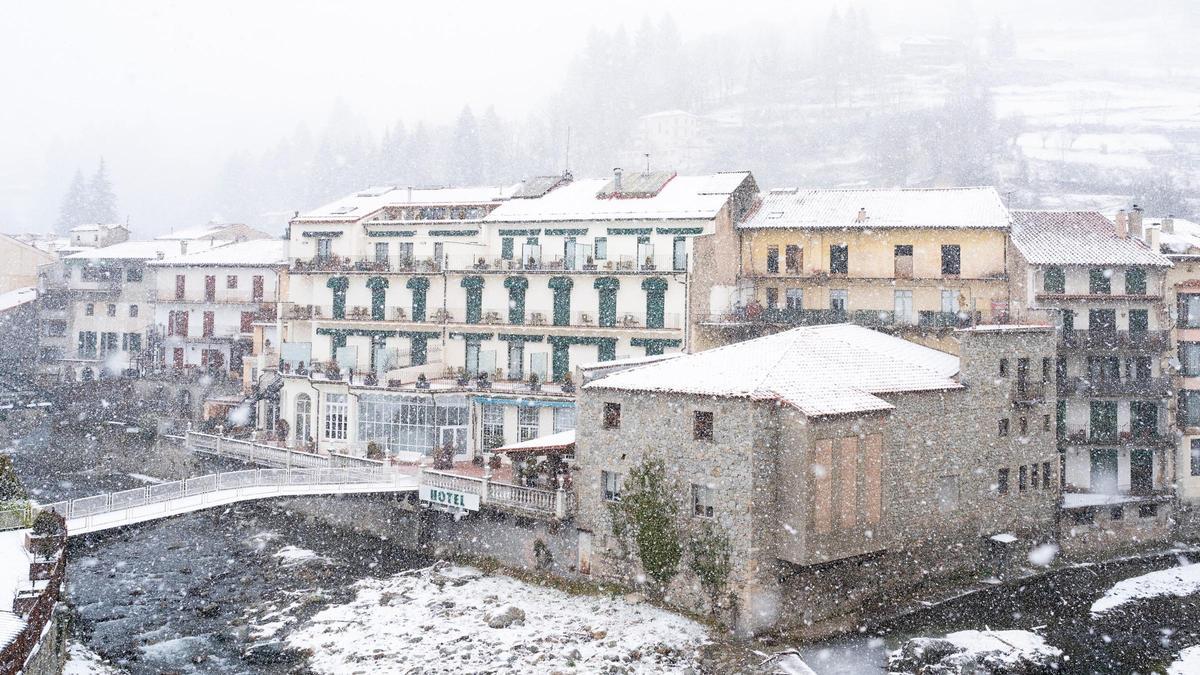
644, 337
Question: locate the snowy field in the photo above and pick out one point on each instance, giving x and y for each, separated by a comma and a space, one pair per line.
457, 619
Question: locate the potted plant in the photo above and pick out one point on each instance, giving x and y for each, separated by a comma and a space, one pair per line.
649, 263
568, 385
300, 369
443, 457
462, 378
482, 381
495, 462
1079, 436
374, 451
534, 384
590, 264
422, 381
371, 379
333, 371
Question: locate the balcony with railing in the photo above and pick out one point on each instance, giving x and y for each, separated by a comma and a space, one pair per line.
1098, 386
863, 317
559, 263
1140, 340
556, 504
1029, 392
376, 264
221, 297
1141, 438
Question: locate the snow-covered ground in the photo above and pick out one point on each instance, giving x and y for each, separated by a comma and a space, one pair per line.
1188, 662
83, 661
1178, 581
457, 619
976, 651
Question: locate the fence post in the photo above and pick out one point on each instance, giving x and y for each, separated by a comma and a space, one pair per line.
485, 486
217, 447
560, 503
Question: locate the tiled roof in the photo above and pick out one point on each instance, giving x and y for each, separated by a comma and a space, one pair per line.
967, 207
822, 370
1077, 238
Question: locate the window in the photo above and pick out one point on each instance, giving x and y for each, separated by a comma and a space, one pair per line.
1022, 478
132, 342
246, 322
702, 501
1045, 475
111, 309
410, 424
1139, 320
472, 356
1147, 510
1045, 423
256, 289
87, 343
1099, 281
133, 311
702, 425
1083, 517
209, 324
381, 252
133, 274
493, 426
56, 328
1003, 367
1002, 481
950, 302
1068, 320
108, 342
612, 415
528, 424
679, 254
180, 286
1003, 427
1047, 369
1104, 421
951, 260
177, 323
839, 259
839, 299
1195, 470
564, 419
231, 281
610, 483
1054, 280
1116, 513
601, 248
89, 309
793, 259
1189, 408
947, 494
772, 260
336, 412
1135, 281
324, 248
1189, 310
516, 360
210, 287
772, 298
902, 306
794, 298
1023, 425
1033, 476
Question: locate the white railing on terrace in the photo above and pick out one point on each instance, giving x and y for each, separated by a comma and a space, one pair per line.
270, 455
557, 503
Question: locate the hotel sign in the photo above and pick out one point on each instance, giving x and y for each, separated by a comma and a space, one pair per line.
449, 500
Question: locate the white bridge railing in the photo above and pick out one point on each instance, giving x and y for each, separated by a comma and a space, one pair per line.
269, 455
88, 514
557, 503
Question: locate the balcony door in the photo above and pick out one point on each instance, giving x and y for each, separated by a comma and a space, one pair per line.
1104, 471
1102, 321
1141, 471
903, 305
569, 253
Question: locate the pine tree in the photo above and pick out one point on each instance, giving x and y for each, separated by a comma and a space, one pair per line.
102, 202
74, 210
465, 150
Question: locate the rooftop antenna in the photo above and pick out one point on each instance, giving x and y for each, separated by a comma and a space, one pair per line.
647, 155
567, 159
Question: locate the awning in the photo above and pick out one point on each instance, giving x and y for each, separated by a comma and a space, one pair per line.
563, 441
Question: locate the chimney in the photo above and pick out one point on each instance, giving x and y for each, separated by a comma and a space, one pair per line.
1168, 224
182, 247
1122, 224
409, 193
1154, 238
862, 215
617, 179
1135, 222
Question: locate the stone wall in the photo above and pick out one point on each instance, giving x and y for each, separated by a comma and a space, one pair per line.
50, 655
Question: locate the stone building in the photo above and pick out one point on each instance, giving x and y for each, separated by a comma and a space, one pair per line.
521, 283
1103, 285
912, 260
843, 465
21, 263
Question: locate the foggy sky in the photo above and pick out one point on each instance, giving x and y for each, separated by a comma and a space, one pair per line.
167, 91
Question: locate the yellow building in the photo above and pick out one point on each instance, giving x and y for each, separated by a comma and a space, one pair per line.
903, 258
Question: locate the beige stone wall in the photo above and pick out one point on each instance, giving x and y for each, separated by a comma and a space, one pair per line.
21, 262
714, 263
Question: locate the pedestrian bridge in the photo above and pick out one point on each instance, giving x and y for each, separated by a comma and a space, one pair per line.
163, 500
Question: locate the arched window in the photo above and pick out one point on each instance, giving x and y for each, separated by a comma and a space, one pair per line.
303, 417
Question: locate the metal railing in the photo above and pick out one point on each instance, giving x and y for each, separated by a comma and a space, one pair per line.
556, 503
233, 481
270, 455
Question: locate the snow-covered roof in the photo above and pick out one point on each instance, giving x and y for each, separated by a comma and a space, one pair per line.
680, 198
1077, 238
14, 576
255, 253
1183, 237
17, 297
822, 370
96, 227
365, 202
965, 207
561, 441
141, 250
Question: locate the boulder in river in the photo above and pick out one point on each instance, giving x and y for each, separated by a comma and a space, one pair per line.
987, 652
506, 617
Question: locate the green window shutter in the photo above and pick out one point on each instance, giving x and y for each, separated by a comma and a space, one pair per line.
418, 286
338, 285
562, 300
419, 349
656, 290
606, 288
378, 286
560, 361
516, 299
474, 286
506, 248
337, 340
607, 350
654, 348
